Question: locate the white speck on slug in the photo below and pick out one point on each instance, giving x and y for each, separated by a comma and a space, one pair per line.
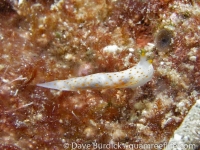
136, 76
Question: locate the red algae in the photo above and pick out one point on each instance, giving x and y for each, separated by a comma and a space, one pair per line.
50, 40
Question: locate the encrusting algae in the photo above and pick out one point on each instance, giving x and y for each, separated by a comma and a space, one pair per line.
91, 40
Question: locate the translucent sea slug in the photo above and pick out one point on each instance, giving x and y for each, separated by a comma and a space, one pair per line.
130, 78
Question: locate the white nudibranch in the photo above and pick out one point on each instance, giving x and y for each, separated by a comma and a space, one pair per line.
130, 78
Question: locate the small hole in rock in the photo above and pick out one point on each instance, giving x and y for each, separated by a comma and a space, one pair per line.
163, 40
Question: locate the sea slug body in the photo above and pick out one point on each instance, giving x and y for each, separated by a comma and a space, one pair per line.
136, 76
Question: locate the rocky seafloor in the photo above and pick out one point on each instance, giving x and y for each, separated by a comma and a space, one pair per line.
46, 40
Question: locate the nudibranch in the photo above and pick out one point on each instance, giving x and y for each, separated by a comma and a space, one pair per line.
136, 76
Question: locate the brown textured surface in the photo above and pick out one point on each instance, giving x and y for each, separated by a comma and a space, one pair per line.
42, 41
